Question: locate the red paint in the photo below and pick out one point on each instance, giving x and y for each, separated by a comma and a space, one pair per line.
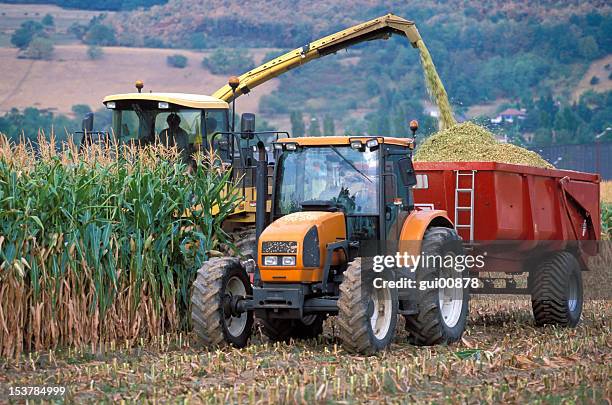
544, 208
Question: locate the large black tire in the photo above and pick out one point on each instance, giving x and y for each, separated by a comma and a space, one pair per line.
282, 330
356, 311
212, 321
556, 291
432, 325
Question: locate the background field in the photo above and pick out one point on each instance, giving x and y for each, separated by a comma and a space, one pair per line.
78, 80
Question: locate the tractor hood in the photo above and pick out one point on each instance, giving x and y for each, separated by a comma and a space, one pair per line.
303, 236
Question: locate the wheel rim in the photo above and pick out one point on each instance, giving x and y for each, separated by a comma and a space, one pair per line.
380, 320
572, 296
450, 300
235, 324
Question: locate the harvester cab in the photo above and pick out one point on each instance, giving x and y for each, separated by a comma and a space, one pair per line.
331, 197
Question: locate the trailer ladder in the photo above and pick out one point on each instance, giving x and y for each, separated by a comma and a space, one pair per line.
459, 190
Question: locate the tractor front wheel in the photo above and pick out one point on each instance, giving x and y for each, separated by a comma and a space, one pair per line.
442, 312
220, 283
367, 316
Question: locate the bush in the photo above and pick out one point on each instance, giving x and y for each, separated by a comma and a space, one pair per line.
594, 80
177, 61
228, 62
100, 34
94, 52
48, 20
22, 37
40, 48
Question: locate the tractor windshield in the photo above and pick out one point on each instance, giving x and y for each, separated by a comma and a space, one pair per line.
338, 174
178, 126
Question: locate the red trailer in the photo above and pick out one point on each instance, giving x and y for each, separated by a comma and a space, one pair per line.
541, 221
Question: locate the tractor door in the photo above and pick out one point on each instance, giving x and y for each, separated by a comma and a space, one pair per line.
399, 177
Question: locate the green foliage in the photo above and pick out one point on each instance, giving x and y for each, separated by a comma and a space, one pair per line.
130, 224
27, 123
101, 34
594, 80
314, 129
110, 5
328, 126
48, 20
80, 110
22, 37
228, 61
297, 124
177, 61
94, 52
40, 48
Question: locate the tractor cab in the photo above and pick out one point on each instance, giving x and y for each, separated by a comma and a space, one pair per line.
187, 121
368, 179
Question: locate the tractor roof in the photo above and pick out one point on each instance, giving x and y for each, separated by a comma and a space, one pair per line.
346, 140
182, 99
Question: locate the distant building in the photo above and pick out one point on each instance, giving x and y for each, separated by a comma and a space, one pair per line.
509, 115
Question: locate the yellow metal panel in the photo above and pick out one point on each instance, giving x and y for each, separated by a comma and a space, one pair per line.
185, 100
378, 28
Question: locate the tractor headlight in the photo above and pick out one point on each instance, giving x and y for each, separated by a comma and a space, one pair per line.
111, 105
372, 144
270, 260
288, 260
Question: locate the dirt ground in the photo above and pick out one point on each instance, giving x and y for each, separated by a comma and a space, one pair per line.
503, 358
71, 78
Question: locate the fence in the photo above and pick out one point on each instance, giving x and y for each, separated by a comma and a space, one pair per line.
590, 157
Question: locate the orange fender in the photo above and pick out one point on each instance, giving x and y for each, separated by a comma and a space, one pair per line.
416, 224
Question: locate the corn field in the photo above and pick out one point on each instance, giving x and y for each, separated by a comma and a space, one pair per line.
101, 244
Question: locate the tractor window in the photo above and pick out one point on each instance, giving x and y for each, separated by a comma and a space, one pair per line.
339, 174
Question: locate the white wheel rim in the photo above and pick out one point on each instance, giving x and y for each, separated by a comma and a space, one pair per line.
451, 299
380, 320
235, 324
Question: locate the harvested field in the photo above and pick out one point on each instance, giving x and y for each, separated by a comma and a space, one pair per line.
502, 358
468, 142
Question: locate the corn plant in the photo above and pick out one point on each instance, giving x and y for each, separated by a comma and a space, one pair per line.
102, 244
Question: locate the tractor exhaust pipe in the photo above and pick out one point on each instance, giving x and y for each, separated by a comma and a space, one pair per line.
262, 191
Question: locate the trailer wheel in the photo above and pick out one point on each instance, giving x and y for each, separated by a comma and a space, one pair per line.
219, 281
442, 312
281, 330
556, 291
367, 316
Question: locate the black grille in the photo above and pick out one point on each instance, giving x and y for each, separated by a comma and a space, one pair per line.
279, 247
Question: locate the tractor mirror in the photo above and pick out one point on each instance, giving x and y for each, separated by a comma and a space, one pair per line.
247, 125
406, 172
87, 124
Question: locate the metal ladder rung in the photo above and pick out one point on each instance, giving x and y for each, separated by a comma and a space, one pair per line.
463, 208
464, 190
463, 226
465, 174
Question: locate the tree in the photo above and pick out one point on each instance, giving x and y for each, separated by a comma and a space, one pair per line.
40, 48
177, 61
314, 129
588, 47
22, 37
94, 52
297, 124
224, 62
594, 80
48, 20
328, 126
80, 110
100, 34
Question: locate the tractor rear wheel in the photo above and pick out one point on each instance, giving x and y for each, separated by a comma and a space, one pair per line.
556, 291
219, 283
281, 330
367, 316
442, 312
